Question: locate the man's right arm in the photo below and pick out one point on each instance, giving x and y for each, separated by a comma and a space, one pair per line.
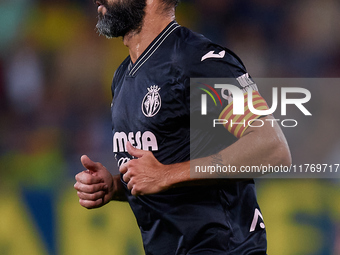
96, 186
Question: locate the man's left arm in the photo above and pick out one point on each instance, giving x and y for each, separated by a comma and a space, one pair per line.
264, 145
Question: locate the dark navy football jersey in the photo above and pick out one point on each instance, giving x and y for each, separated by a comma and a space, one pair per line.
151, 109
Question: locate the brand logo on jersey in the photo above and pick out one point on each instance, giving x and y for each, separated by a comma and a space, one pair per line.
144, 141
152, 102
211, 54
257, 214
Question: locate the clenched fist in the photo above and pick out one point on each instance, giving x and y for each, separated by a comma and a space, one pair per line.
95, 185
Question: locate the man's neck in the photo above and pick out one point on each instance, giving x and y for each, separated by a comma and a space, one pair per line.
153, 25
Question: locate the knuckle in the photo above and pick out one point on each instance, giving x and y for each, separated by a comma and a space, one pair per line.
77, 177
125, 178
130, 185
78, 186
123, 168
87, 204
82, 202
132, 171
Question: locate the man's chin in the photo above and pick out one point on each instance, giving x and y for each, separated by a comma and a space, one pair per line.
105, 30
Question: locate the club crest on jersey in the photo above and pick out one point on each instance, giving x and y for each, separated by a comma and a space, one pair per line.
152, 102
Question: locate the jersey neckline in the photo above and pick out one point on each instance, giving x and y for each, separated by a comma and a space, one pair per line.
151, 49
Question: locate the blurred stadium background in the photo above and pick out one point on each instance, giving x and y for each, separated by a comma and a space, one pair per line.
55, 76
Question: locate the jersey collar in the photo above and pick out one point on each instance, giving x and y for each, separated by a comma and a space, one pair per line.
151, 49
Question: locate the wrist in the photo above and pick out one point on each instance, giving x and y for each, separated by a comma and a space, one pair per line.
176, 173
167, 180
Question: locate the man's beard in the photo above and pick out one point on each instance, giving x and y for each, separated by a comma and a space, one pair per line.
121, 18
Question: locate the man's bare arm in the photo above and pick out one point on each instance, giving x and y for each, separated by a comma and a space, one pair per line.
258, 146
265, 145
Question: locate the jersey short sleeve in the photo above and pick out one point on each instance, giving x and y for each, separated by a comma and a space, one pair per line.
207, 64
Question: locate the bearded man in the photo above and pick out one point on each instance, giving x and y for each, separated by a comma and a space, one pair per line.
151, 112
